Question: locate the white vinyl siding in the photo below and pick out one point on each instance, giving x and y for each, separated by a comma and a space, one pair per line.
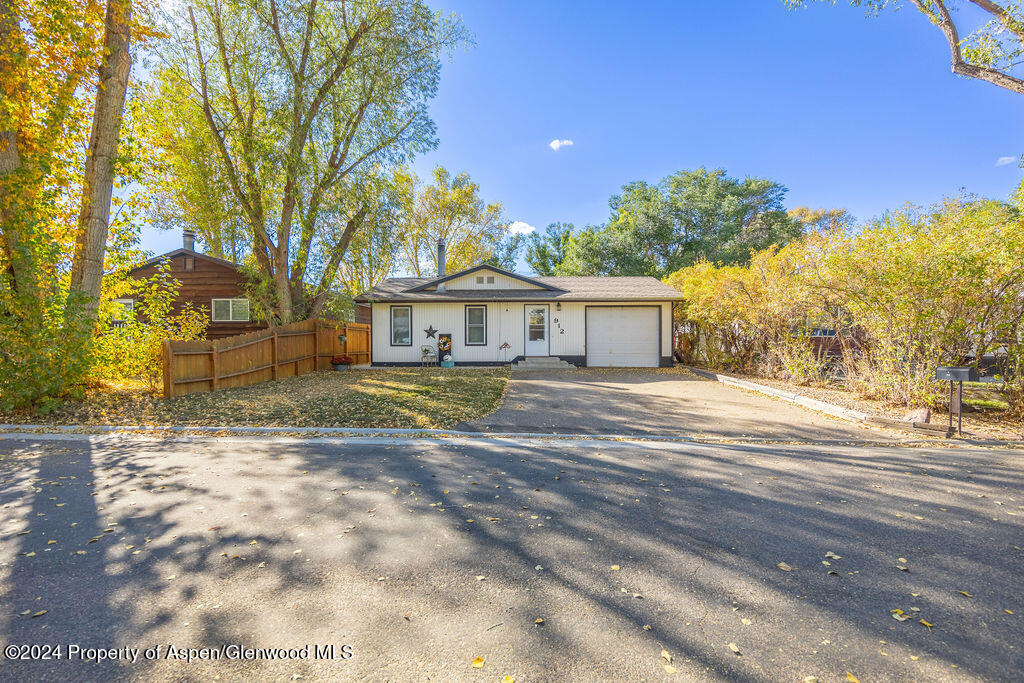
506, 323
229, 310
487, 279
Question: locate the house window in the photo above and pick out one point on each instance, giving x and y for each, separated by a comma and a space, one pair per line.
122, 309
401, 325
479, 279
476, 326
229, 310
490, 279
190, 264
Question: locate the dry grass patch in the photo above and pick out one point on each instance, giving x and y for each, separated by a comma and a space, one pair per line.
399, 397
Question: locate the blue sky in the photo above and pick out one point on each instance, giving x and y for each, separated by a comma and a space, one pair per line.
845, 110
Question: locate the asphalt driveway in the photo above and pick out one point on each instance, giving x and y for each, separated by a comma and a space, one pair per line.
550, 560
669, 401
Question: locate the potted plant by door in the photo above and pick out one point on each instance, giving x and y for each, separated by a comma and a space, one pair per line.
342, 362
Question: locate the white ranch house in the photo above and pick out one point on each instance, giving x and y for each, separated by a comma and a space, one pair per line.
497, 317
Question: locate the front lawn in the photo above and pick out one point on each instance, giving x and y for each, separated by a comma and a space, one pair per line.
399, 397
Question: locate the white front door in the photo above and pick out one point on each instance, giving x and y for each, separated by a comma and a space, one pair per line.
536, 330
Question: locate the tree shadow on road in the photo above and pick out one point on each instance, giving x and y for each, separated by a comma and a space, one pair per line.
271, 543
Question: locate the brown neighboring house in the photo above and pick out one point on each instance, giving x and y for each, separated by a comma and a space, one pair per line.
210, 284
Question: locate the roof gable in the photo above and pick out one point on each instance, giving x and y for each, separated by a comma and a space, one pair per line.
533, 284
181, 251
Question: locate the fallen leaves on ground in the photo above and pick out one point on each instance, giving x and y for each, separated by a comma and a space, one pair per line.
478, 663
394, 397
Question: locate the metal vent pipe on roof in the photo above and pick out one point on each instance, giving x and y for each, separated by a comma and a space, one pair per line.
188, 238
440, 258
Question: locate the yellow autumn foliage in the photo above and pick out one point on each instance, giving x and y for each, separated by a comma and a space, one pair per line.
903, 295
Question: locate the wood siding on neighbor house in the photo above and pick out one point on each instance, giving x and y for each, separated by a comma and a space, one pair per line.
209, 280
505, 323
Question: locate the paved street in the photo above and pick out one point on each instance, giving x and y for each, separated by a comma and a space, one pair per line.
424, 555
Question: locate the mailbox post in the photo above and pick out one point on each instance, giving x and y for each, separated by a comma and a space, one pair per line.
957, 375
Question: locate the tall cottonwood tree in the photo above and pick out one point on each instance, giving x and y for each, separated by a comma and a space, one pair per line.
94, 218
375, 251
300, 97
992, 51
51, 199
187, 187
450, 208
48, 50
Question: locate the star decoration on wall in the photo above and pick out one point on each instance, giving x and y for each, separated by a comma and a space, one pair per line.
430, 332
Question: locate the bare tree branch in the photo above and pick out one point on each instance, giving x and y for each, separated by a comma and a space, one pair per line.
942, 18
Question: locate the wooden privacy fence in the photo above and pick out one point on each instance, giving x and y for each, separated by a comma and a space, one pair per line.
286, 351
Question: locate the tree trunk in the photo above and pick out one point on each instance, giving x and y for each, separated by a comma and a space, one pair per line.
282, 287
94, 220
11, 86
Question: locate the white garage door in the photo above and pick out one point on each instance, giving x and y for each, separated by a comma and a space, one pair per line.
622, 336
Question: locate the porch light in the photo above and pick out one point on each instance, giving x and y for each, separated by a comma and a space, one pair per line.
558, 305
342, 338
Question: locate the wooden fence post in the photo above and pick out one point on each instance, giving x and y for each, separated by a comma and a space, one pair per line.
273, 353
316, 346
214, 353
168, 366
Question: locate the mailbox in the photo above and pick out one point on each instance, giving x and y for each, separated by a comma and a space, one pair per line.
956, 374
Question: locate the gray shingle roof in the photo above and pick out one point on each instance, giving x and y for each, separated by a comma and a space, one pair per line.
568, 289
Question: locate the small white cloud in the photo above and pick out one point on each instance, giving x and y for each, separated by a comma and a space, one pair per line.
519, 227
1001, 161
556, 144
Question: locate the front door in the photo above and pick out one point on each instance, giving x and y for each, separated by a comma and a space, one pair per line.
537, 330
